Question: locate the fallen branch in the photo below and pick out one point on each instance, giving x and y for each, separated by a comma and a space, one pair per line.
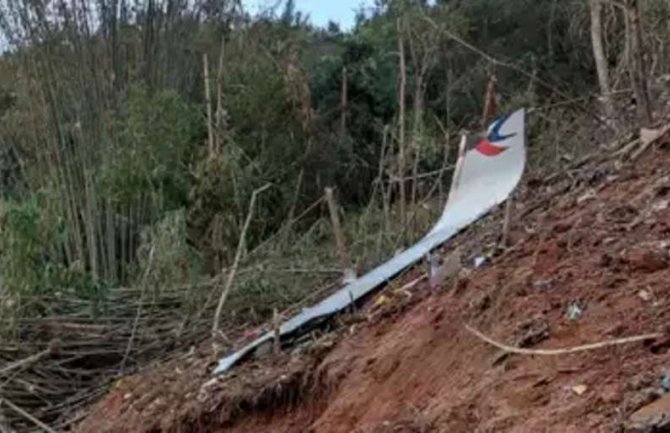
653, 136
24, 362
413, 283
27, 416
564, 351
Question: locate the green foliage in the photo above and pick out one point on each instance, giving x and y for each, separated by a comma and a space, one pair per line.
158, 140
22, 246
103, 137
164, 255
30, 236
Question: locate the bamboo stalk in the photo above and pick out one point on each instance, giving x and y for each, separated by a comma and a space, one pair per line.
208, 101
111, 232
91, 219
276, 341
343, 253
401, 124
23, 362
385, 192
219, 98
238, 255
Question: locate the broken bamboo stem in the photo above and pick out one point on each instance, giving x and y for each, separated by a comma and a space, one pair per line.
208, 101
345, 262
236, 261
276, 341
24, 362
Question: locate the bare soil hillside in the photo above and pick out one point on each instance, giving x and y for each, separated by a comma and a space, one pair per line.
590, 262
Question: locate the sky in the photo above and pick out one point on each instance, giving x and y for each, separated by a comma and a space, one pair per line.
320, 12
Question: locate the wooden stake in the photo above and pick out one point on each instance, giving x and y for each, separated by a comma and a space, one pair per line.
345, 263
276, 346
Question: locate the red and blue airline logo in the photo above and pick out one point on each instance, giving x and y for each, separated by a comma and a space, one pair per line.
488, 146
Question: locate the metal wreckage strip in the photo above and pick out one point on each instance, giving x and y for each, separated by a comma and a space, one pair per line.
485, 177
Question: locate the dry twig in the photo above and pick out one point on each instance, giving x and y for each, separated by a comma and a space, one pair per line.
24, 362
564, 351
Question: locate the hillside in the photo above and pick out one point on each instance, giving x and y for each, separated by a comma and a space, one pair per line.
595, 236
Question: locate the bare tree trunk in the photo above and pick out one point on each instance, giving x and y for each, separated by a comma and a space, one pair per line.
401, 120
601, 60
636, 62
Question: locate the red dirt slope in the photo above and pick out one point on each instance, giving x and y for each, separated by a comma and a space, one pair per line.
411, 366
